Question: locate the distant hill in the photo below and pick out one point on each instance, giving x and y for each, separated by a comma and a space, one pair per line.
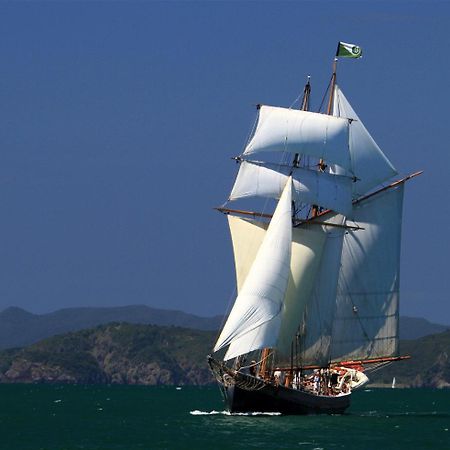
415, 327
19, 327
118, 353
429, 365
149, 354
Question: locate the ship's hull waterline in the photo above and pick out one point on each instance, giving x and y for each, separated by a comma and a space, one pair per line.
247, 394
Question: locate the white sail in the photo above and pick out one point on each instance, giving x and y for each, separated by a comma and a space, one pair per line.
366, 319
257, 179
368, 162
304, 132
316, 328
307, 245
307, 252
255, 318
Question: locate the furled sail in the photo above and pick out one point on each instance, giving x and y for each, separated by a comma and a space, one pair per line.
256, 315
368, 162
303, 132
366, 319
315, 331
258, 179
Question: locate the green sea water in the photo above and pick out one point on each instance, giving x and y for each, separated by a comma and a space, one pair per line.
139, 417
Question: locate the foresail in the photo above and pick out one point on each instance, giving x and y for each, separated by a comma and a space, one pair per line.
303, 132
307, 246
366, 319
368, 162
255, 318
258, 179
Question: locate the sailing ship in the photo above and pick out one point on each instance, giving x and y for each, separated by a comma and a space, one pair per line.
318, 279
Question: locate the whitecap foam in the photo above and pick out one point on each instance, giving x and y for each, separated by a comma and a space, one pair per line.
196, 412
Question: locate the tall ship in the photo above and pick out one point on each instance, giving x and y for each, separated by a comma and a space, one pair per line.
317, 259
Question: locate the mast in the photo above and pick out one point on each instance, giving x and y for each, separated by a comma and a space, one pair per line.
332, 86
304, 107
315, 209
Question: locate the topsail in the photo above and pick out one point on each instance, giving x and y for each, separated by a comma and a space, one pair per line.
259, 179
303, 132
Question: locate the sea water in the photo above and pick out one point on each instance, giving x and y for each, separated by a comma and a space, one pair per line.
138, 417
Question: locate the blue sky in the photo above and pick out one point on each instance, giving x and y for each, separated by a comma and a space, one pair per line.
118, 120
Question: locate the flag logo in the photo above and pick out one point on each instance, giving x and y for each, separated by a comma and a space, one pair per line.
346, 50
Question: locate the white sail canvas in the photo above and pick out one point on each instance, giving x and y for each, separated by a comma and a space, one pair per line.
368, 162
255, 318
307, 246
303, 132
366, 319
329, 191
316, 327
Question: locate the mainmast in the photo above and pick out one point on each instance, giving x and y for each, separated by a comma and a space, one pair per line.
332, 86
315, 209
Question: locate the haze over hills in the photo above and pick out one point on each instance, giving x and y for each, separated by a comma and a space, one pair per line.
20, 328
417, 327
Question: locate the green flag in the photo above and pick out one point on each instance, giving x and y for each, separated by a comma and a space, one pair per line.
346, 50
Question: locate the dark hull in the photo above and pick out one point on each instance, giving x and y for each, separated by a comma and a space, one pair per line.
283, 400
244, 393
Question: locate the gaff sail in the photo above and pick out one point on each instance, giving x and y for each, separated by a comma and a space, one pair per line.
366, 319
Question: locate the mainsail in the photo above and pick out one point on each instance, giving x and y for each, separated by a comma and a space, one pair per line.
366, 320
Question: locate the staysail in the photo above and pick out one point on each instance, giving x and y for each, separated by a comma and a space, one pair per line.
256, 315
366, 320
368, 162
